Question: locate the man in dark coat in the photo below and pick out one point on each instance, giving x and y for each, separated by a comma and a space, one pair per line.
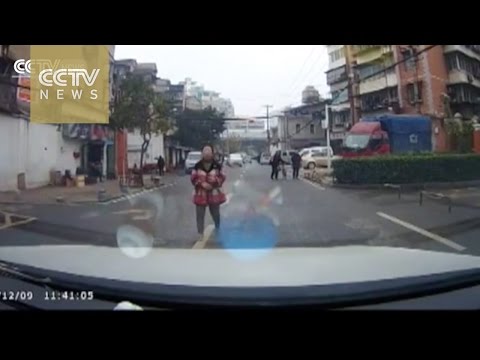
275, 163
296, 163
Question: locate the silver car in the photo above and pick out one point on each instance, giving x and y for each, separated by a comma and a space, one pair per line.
192, 158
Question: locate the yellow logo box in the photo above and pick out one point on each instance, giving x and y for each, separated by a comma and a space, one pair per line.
69, 84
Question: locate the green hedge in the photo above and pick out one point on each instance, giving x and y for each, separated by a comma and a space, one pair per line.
402, 169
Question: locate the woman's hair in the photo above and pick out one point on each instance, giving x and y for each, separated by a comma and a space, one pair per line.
210, 146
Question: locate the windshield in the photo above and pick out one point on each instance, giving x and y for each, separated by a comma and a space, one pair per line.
208, 190
357, 141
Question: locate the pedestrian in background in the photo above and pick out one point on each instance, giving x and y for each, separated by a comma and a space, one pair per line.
161, 165
296, 163
207, 178
275, 163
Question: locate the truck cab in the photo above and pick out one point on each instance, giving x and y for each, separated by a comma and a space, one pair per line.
366, 139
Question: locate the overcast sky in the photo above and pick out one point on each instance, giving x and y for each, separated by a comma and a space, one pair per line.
250, 75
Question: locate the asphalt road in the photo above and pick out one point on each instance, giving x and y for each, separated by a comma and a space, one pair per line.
260, 213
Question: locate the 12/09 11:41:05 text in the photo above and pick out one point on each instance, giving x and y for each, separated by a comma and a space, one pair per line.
53, 295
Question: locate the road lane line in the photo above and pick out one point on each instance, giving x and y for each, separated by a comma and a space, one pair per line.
315, 185
423, 232
207, 233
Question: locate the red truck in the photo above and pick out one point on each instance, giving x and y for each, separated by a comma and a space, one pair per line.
388, 134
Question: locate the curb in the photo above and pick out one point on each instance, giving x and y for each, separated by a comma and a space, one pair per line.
80, 202
411, 186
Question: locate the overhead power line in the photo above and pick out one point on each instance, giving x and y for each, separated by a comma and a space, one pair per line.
405, 59
303, 66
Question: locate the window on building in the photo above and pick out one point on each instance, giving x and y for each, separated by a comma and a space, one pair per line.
409, 63
336, 75
340, 118
337, 54
312, 129
451, 60
414, 92
297, 128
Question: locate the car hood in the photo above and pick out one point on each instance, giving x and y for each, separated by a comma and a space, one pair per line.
241, 268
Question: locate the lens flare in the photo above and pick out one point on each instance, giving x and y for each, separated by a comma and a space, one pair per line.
134, 242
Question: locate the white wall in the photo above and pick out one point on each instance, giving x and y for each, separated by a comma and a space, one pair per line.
33, 149
155, 148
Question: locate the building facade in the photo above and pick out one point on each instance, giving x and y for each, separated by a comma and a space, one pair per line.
29, 152
337, 79
301, 126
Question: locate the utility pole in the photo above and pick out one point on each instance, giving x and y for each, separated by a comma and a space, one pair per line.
268, 124
416, 94
352, 83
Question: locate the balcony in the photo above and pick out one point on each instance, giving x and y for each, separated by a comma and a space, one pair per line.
372, 85
358, 49
461, 77
373, 52
463, 49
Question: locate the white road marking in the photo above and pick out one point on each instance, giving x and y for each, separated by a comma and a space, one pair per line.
129, 211
423, 232
315, 185
236, 183
8, 222
229, 197
206, 236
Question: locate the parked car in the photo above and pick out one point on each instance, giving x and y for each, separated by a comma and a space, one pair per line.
309, 150
264, 159
235, 159
286, 156
192, 158
317, 158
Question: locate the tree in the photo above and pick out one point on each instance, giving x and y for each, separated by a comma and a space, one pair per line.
232, 144
139, 107
194, 128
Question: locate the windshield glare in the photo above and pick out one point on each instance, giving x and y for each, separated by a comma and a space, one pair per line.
209, 190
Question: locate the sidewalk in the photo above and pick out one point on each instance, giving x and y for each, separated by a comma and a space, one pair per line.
464, 197
78, 195
319, 175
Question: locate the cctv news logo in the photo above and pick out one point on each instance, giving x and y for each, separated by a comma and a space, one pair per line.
50, 75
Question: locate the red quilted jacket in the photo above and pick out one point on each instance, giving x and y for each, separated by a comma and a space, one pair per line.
215, 177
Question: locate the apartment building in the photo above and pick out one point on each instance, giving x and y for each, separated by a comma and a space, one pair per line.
198, 98
420, 84
337, 79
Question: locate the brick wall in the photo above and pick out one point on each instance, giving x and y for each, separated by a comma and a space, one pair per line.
431, 74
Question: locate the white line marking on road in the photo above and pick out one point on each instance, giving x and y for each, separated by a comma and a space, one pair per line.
236, 183
423, 232
229, 197
206, 236
319, 187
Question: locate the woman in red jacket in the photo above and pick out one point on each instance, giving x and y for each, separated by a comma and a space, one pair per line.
207, 178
